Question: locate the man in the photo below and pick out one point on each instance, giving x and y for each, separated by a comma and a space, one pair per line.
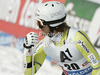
68, 46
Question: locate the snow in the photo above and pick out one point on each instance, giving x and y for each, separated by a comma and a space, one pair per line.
11, 63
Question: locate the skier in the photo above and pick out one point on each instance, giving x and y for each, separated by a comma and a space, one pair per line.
70, 47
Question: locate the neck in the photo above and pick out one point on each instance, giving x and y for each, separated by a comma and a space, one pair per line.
57, 37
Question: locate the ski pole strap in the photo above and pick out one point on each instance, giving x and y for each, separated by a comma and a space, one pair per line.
29, 65
27, 46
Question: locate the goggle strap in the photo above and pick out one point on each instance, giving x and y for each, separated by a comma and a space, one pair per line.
53, 22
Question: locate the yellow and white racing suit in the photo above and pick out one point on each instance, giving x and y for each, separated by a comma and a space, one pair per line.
72, 50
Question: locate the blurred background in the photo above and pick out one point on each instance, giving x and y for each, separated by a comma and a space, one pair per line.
17, 19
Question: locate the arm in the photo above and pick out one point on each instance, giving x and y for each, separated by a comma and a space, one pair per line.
39, 58
29, 57
87, 49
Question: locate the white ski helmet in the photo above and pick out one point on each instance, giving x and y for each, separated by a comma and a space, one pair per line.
52, 13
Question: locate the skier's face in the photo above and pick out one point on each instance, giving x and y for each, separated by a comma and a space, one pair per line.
45, 29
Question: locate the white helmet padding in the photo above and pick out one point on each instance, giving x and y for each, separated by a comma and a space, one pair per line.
51, 13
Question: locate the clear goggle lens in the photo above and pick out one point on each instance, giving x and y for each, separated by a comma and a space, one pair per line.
39, 23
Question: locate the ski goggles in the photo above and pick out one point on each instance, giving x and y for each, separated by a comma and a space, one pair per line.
40, 23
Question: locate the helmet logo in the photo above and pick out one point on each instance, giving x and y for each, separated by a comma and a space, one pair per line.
56, 14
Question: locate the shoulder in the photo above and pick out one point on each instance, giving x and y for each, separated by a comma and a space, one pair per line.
82, 39
78, 34
72, 32
81, 35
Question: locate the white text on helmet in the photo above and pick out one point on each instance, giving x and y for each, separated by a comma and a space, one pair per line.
56, 14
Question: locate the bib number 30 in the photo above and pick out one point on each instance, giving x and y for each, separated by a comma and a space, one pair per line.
63, 57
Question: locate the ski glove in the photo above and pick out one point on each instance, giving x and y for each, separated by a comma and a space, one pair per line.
30, 40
